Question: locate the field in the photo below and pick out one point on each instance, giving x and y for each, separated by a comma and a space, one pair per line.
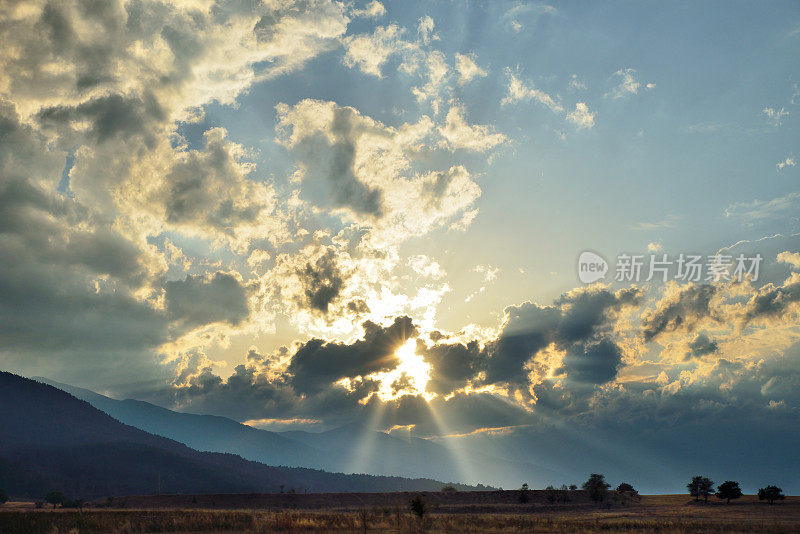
496, 511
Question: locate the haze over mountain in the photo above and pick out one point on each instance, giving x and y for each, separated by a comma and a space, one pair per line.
498, 458
52, 440
353, 448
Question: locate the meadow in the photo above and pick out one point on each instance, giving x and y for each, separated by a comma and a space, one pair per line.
497, 511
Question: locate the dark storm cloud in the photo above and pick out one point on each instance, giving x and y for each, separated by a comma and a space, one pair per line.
358, 306
322, 280
317, 363
772, 301
701, 346
112, 117
684, 309
198, 300
596, 362
580, 322
452, 365
52, 262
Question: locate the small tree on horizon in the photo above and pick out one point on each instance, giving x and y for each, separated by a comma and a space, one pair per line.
3, 497
596, 486
729, 490
700, 486
771, 494
627, 488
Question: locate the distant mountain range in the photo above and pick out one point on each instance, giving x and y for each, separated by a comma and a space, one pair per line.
51, 440
350, 449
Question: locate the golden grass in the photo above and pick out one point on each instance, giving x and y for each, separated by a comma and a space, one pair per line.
653, 514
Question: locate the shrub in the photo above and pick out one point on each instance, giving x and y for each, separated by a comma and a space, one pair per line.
3, 497
55, 498
449, 489
418, 505
523, 494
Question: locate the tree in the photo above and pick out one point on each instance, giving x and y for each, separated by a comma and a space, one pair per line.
55, 498
729, 490
449, 489
596, 486
771, 494
700, 486
419, 506
3, 497
523, 494
627, 488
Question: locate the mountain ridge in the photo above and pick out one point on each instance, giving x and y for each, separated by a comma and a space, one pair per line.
53, 440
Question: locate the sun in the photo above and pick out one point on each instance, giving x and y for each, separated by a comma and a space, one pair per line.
410, 377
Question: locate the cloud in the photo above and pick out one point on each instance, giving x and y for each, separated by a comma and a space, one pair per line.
580, 324
792, 258
576, 84
763, 209
773, 301
627, 84
775, 116
520, 11
581, 116
370, 52
322, 280
104, 90
209, 191
701, 346
457, 134
360, 168
316, 364
197, 301
788, 162
452, 365
372, 10
519, 91
667, 222
425, 29
467, 68
682, 307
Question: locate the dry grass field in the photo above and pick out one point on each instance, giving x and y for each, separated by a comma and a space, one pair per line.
497, 511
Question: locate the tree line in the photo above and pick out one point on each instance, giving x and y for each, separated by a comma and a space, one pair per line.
598, 489
729, 490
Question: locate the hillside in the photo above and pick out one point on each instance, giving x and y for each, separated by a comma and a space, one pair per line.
353, 448
52, 440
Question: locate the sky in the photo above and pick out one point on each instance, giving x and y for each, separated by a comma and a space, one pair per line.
303, 214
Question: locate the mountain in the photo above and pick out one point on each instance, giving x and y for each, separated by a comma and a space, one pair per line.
52, 440
352, 448
202, 432
355, 448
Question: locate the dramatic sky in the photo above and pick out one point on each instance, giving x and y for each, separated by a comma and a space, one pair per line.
300, 214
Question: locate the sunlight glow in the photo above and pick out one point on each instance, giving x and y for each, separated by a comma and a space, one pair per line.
410, 377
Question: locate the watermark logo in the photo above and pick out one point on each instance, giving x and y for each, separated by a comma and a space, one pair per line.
591, 267
683, 267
